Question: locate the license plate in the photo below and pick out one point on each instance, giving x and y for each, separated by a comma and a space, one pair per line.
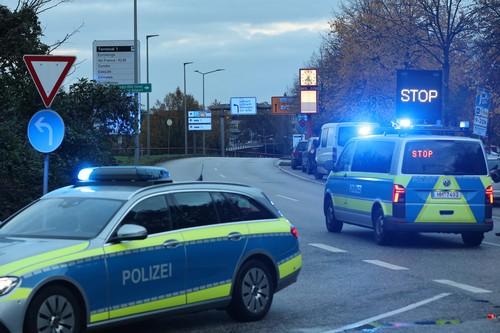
446, 195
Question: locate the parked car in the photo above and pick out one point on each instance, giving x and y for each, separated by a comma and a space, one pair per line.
297, 153
334, 137
309, 155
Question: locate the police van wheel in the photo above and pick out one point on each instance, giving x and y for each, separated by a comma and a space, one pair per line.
252, 293
472, 239
332, 224
54, 309
381, 235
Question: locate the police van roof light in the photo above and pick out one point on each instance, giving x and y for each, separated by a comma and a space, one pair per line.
365, 130
404, 123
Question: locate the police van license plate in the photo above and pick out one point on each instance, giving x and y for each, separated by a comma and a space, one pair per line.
446, 195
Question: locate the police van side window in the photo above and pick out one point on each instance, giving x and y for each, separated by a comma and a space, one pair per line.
324, 137
152, 214
345, 159
373, 157
192, 209
234, 207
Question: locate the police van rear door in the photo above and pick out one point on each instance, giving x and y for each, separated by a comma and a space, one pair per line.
448, 180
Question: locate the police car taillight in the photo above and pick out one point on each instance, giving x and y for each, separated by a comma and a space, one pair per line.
398, 193
294, 232
489, 195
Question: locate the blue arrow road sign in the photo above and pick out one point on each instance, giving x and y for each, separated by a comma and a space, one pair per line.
46, 131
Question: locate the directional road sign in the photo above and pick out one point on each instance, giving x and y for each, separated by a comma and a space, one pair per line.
243, 106
48, 73
199, 121
46, 131
136, 88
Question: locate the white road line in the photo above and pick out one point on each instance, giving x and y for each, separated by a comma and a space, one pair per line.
285, 197
465, 287
215, 169
386, 265
222, 175
389, 314
491, 244
327, 248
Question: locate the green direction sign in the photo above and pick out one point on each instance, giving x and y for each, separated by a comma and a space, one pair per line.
136, 88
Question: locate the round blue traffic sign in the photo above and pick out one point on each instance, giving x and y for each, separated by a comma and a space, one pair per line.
46, 131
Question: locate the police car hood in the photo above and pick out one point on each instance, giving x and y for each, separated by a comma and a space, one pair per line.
18, 253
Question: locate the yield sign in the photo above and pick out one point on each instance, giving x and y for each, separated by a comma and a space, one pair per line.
48, 73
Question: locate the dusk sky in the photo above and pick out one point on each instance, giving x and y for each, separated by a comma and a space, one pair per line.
261, 44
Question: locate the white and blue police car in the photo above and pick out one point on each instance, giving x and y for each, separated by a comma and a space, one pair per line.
126, 242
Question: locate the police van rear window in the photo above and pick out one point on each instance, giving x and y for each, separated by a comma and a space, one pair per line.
444, 157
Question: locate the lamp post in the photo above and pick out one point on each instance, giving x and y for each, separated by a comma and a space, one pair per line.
148, 115
203, 79
185, 111
136, 80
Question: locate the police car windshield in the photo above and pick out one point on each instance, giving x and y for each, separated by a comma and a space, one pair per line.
444, 157
72, 218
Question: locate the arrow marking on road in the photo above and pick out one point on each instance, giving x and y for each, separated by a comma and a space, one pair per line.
327, 248
389, 314
462, 286
40, 125
386, 265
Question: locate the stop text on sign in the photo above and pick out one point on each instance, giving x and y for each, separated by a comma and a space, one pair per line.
425, 153
418, 95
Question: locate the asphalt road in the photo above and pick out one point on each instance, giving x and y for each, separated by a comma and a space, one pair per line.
427, 283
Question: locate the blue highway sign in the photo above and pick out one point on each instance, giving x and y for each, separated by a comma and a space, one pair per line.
46, 131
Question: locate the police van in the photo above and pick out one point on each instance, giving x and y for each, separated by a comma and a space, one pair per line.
411, 183
126, 242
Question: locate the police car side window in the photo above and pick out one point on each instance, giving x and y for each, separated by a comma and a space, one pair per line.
373, 157
345, 159
152, 213
324, 137
192, 209
233, 207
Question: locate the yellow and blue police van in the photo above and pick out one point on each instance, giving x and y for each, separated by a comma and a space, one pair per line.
411, 183
127, 242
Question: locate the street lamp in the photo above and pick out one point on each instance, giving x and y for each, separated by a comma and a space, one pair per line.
203, 79
136, 80
185, 111
148, 115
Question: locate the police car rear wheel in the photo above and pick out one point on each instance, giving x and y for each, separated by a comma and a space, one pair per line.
253, 292
54, 309
332, 224
381, 235
472, 238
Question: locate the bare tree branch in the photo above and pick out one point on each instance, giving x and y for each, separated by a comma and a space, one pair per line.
58, 43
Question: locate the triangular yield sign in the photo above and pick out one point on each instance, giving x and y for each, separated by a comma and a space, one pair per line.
48, 73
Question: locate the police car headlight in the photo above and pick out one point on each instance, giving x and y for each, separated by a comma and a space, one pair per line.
7, 284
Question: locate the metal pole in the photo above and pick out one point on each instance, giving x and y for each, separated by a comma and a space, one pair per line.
136, 80
45, 173
168, 151
185, 112
222, 143
148, 116
203, 135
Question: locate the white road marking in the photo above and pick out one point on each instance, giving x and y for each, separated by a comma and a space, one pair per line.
389, 314
285, 197
216, 169
327, 248
491, 244
465, 287
222, 175
386, 265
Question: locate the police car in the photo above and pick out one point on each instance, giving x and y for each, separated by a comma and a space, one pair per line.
126, 242
411, 183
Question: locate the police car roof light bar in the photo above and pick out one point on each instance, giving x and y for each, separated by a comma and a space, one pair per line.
126, 175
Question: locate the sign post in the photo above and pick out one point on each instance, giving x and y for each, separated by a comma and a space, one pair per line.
481, 113
46, 127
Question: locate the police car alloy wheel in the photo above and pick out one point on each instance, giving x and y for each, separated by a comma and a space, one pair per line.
253, 292
54, 310
382, 236
332, 224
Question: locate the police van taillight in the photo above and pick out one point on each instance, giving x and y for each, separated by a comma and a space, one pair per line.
294, 232
398, 193
489, 195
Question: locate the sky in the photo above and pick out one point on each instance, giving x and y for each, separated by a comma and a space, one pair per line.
260, 44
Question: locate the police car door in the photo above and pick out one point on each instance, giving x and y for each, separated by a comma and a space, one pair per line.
147, 275
213, 249
338, 184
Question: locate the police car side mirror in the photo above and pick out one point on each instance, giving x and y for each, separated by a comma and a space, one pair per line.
128, 232
495, 175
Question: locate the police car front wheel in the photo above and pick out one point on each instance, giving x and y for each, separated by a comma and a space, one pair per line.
253, 292
332, 224
54, 309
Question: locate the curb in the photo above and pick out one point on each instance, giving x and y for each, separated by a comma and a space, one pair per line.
278, 165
